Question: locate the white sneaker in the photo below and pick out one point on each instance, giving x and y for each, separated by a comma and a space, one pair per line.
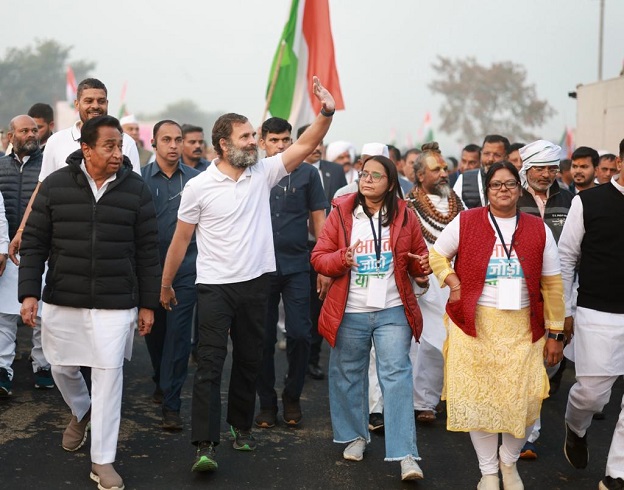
489, 482
511, 478
355, 450
410, 469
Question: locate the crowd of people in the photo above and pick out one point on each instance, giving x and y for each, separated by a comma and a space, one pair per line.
436, 288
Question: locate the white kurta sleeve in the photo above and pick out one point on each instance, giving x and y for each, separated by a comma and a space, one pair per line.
570, 248
4, 229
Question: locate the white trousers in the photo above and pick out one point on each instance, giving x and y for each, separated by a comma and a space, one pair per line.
428, 375
588, 396
486, 447
535, 433
105, 403
8, 334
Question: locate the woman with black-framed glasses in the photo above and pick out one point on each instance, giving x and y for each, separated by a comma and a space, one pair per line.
506, 289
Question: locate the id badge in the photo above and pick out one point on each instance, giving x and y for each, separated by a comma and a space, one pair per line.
377, 289
509, 293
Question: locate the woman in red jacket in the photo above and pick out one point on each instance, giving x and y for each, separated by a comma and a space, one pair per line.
371, 244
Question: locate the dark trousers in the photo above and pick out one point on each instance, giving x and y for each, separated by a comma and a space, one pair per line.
315, 312
169, 345
294, 290
240, 310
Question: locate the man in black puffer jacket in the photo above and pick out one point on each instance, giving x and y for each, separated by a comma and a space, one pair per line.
96, 222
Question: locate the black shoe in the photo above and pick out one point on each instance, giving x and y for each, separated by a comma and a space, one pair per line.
575, 449
292, 411
315, 371
158, 396
609, 483
44, 380
376, 422
243, 440
267, 417
205, 458
5, 384
171, 420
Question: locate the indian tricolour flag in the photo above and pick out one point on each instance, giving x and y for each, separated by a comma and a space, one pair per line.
70, 86
306, 49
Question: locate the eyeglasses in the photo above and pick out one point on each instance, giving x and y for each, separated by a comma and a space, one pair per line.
510, 185
551, 170
375, 176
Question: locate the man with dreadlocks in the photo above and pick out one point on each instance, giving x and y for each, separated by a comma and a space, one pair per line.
435, 204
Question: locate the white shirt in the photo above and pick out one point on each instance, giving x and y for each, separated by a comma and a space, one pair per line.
365, 257
4, 229
61, 144
570, 244
97, 193
448, 244
233, 218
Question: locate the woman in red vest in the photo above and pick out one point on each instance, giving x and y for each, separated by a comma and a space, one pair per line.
371, 244
506, 290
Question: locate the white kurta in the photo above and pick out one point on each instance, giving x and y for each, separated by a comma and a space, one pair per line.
597, 347
433, 302
87, 337
8, 290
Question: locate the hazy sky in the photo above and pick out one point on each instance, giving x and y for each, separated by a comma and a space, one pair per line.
219, 52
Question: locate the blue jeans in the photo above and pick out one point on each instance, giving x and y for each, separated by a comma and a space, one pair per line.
294, 290
348, 379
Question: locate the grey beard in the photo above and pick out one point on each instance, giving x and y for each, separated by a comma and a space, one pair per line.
242, 158
29, 147
442, 190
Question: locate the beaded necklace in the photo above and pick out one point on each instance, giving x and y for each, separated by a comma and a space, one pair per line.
418, 200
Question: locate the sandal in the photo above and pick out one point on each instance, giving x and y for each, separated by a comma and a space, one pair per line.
426, 416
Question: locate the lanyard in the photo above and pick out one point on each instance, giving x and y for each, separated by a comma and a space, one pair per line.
376, 240
502, 239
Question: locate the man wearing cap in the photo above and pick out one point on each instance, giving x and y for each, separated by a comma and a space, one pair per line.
130, 125
543, 197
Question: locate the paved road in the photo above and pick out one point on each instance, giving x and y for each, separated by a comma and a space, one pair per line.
31, 457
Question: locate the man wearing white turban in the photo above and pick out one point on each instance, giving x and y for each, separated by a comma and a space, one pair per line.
543, 197
343, 153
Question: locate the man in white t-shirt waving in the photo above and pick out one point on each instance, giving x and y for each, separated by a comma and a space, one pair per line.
227, 206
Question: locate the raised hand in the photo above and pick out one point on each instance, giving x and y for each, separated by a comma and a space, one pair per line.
323, 95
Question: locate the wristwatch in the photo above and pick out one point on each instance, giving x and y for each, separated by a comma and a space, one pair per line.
557, 336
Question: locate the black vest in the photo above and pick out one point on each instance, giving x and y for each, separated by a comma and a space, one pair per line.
556, 211
601, 271
17, 183
470, 188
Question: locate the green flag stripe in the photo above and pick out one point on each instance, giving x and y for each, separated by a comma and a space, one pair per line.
281, 102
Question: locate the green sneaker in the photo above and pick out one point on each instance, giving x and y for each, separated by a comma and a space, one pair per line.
205, 459
243, 440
